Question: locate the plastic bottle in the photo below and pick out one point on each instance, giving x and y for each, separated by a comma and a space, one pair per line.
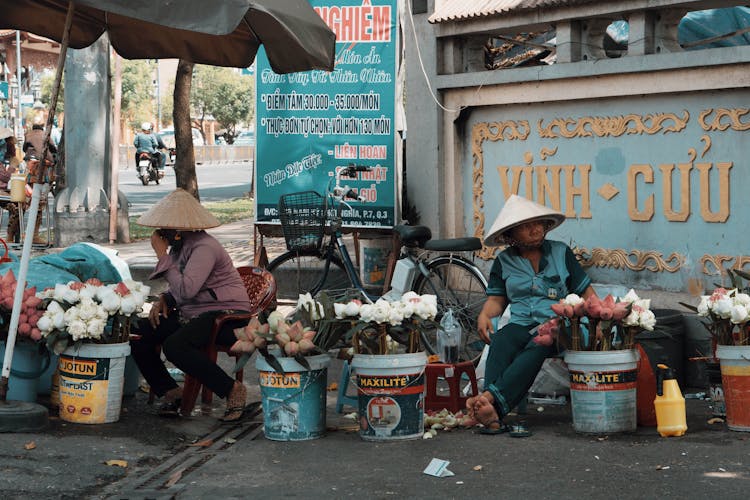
669, 404
449, 338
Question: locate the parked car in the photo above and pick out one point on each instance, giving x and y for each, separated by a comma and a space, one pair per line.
167, 135
246, 138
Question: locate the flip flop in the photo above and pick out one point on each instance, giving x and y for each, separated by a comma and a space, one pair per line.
490, 431
519, 431
233, 414
170, 409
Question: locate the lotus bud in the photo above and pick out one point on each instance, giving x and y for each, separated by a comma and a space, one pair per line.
558, 308
620, 311
273, 320
291, 348
36, 334
260, 341
282, 339
568, 311
309, 334
282, 327
306, 346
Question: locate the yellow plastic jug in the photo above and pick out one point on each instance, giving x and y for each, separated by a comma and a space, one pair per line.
669, 404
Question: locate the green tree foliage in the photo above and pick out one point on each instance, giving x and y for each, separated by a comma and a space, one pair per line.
137, 91
223, 94
47, 82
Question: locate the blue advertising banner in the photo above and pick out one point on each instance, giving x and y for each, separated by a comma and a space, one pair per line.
311, 123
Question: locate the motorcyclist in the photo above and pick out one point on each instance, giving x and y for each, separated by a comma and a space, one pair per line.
161, 147
146, 142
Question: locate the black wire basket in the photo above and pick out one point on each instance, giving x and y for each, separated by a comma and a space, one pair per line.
303, 220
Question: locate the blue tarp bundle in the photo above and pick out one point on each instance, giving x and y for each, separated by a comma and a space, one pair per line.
78, 262
701, 25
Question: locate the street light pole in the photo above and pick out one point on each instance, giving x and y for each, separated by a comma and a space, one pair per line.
19, 121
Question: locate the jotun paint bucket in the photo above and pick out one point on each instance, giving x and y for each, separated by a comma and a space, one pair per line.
735, 377
603, 390
390, 390
294, 402
91, 381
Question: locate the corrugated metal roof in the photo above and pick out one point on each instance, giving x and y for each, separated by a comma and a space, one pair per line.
460, 10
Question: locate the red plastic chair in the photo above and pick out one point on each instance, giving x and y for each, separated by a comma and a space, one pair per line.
261, 289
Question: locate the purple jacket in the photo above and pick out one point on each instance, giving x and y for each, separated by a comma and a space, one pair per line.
202, 276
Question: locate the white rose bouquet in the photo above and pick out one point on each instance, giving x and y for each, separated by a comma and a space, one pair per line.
89, 311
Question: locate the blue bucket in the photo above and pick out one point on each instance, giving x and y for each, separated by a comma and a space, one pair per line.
294, 403
27, 366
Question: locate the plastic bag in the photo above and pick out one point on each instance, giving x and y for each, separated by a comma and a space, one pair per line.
449, 338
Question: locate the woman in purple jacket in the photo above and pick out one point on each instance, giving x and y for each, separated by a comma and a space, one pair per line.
203, 283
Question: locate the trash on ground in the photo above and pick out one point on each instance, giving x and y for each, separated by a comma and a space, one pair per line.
438, 468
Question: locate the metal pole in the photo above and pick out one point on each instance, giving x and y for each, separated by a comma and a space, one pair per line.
19, 119
158, 98
115, 148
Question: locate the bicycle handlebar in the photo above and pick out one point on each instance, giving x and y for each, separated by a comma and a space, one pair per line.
339, 192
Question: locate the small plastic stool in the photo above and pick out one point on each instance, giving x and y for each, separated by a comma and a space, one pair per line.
342, 399
452, 374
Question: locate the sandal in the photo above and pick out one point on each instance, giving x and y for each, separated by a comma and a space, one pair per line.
170, 409
235, 403
519, 431
502, 429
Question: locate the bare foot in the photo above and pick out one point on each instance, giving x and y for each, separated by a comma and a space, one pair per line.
484, 412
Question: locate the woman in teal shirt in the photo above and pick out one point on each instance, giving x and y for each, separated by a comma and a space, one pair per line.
531, 274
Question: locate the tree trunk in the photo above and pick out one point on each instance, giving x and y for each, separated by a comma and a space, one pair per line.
184, 166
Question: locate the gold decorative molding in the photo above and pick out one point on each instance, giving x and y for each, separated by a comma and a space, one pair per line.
489, 131
635, 260
734, 116
608, 191
547, 152
613, 126
713, 265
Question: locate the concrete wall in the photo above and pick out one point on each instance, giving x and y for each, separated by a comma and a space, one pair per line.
508, 131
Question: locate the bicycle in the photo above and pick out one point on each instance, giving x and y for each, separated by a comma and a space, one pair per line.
308, 266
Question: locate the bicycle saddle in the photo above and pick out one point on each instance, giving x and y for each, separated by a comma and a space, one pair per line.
413, 235
454, 245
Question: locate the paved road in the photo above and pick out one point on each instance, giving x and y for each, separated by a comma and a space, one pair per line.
216, 183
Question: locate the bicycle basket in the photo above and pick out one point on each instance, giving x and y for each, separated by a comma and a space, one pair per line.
303, 218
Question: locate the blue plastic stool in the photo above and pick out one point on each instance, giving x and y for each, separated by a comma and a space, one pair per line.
342, 398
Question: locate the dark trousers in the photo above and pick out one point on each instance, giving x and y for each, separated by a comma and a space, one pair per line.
512, 365
182, 345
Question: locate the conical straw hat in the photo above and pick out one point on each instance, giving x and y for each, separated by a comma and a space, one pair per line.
516, 211
5, 132
178, 210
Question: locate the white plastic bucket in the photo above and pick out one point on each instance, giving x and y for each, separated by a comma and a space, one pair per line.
91, 381
390, 390
735, 378
603, 390
294, 402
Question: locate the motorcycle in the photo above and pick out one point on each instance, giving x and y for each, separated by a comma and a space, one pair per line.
148, 168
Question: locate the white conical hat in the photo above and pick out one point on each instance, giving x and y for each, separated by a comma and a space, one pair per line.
5, 132
516, 211
178, 210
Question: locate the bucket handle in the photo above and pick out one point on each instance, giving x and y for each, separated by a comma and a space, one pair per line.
5, 258
37, 373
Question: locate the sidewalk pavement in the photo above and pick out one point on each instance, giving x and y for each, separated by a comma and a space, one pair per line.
198, 457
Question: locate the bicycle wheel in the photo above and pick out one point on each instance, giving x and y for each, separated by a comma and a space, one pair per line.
459, 286
304, 272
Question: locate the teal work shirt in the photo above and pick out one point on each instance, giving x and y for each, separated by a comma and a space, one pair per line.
145, 142
531, 294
